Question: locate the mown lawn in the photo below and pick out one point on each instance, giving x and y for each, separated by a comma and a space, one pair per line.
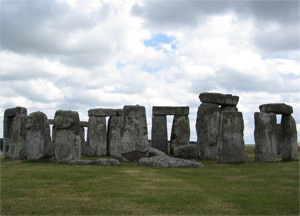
232, 189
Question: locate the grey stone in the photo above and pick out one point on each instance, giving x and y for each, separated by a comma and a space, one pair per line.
84, 124
82, 135
67, 119
180, 134
104, 112
278, 108
167, 110
155, 152
159, 133
14, 133
218, 98
114, 137
227, 108
168, 162
38, 140
231, 147
134, 134
189, 151
279, 139
207, 127
97, 137
98, 162
289, 136
265, 137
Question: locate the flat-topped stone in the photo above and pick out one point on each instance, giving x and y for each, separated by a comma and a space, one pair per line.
103, 112
168, 162
168, 110
98, 162
15, 111
277, 108
218, 98
82, 123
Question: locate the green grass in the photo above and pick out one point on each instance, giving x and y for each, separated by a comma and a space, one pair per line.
231, 189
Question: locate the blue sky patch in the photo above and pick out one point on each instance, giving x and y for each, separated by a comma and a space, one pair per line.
159, 39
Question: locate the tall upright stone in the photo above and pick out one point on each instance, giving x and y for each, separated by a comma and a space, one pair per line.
289, 136
134, 134
207, 127
66, 137
159, 133
97, 137
14, 133
279, 139
114, 137
38, 141
231, 146
82, 135
265, 137
180, 134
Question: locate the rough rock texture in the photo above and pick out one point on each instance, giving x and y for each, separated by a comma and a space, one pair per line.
38, 141
218, 98
66, 139
207, 127
168, 162
225, 108
180, 134
14, 133
155, 152
279, 139
82, 143
265, 137
100, 112
278, 108
231, 147
134, 134
289, 136
97, 137
159, 133
114, 137
98, 162
189, 151
167, 110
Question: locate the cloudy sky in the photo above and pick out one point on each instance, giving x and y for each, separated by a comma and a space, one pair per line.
78, 55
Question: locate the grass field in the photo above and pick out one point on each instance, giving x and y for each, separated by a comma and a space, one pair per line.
232, 189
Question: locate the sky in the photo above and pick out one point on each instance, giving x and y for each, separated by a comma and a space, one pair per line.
84, 54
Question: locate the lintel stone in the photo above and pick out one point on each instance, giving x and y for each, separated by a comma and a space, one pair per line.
103, 112
277, 108
168, 110
218, 98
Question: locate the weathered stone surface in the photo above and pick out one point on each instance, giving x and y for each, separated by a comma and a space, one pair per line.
82, 140
98, 162
225, 108
103, 112
114, 137
207, 127
159, 133
218, 98
180, 134
167, 110
168, 162
155, 152
38, 141
278, 108
66, 139
97, 137
84, 124
289, 136
265, 137
14, 133
279, 139
134, 134
189, 151
231, 147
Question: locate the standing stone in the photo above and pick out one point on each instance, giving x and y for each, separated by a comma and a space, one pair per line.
289, 136
265, 137
180, 134
189, 151
231, 147
279, 140
38, 141
14, 133
207, 127
81, 135
159, 133
97, 137
134, 134
66, 137
114, 137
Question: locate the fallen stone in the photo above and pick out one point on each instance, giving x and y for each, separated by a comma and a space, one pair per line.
167, 110
188, 151
180, 134
155, 152
114, 137
168, 162
278, 108
265, 137
98, 162
134, 134
289, 137
159, 133
102, 112
218, 98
